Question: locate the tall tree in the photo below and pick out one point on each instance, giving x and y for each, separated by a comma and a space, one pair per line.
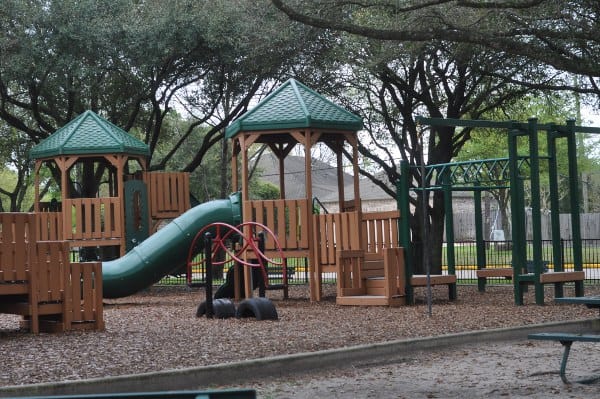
15, 170
133, 62
563, 34
492, 143
389, 84
489, 63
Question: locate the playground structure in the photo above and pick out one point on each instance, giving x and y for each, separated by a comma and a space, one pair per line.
106, 204
350, 243
39, 282
481, 175
103, 199
102, 203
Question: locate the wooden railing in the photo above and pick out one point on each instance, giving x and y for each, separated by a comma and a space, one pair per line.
340, 232
380, 230
38, 282
335, 232
168, 193
288, 219
92, 221
16, 231
49, 226
86, 297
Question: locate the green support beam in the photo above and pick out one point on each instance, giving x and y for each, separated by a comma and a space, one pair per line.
492, 173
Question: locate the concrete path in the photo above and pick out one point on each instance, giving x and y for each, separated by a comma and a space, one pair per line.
495, 370
493, 363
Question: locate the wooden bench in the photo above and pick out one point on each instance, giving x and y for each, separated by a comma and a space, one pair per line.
375, 279
492, 272
567, 339
506, 272
420, 280
556, 278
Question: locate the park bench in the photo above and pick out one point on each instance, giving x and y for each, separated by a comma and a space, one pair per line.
567, 339
420, 280
502, 272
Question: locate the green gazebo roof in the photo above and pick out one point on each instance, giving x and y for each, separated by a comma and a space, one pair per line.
89, 134
292, 106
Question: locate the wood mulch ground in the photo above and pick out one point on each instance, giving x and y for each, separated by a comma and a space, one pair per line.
157, 330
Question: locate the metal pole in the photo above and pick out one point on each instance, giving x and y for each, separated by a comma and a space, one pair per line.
209, 278
405, 238
575, 210
450, 254
557, 258
517, 217
425, 227
536, 213
479, 236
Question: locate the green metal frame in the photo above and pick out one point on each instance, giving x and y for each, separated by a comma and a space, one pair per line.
492, 173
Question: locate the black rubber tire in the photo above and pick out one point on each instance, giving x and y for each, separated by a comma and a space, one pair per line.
201, 311
259, 308
222, 308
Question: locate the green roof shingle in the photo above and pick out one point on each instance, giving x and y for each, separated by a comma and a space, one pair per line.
292, 106
89, 134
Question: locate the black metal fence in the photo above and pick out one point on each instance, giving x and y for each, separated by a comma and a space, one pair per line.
497, 254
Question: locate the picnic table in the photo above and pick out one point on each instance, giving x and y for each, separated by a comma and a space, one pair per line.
592, 302
567, 339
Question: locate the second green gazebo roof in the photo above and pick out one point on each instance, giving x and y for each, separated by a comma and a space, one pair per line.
293, 106
89, 134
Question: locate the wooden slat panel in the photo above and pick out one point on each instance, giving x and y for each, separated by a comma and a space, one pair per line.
353, 228
280, 227
87, 303
87, 210
168, 193
159, 186
92, 219
333, 233
349, 265
76, 293
291, 235
154, 193
97, 296
110, 224
305, 206
16, 230
287, 218
49, 226
270, 221
116, 211
560, 277
380, 230
52, 258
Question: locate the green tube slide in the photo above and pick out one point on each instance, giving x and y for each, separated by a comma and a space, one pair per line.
166, 250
